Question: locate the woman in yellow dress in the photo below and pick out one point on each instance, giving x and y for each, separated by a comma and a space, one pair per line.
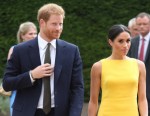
121, 79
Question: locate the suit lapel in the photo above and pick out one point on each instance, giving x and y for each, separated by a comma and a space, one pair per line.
34, 53
148, 52
59, 59
35, 57
136, 46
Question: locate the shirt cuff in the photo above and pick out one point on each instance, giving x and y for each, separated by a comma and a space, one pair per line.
32, 80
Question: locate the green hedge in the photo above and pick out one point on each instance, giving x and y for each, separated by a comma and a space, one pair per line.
86, 25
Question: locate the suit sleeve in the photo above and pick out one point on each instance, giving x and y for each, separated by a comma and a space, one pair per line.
14, 78
77, 87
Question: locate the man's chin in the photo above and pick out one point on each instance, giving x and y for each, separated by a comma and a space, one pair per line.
57, 37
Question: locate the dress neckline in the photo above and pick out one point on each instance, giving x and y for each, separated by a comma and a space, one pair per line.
128, 59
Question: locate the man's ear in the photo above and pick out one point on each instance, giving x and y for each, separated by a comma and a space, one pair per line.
41, 22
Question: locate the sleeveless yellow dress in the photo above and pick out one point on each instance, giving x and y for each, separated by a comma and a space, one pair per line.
119, 84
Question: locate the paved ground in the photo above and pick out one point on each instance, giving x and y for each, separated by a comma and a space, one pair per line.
85, 109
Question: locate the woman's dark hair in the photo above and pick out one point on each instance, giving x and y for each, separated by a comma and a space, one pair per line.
115, 30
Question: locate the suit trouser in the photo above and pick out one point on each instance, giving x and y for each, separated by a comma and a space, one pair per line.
40, 112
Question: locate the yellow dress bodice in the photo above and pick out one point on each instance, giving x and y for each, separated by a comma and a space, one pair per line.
119, 84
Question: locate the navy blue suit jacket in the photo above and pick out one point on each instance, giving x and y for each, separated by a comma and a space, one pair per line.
68, 79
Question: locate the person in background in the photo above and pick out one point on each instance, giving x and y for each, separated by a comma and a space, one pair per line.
46, 71
26, 31
140, 47
133, 27
120, 78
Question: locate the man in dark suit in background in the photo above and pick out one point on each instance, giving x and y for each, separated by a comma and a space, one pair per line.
26, 71
140, 47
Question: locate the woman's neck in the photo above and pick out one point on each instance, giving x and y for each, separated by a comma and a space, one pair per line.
115, 57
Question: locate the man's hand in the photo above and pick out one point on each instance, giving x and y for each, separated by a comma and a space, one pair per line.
42, 71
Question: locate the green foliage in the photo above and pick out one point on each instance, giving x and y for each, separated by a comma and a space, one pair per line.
5, 44
4, 105
87, 84
86, 25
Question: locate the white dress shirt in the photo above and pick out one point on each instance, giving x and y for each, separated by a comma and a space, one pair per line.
146, 42
42, 49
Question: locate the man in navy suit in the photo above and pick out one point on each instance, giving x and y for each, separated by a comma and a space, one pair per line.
26, 69
143, 23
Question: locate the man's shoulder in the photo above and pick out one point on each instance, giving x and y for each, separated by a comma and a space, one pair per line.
27, 43
133, 40
21, 47
65, 43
